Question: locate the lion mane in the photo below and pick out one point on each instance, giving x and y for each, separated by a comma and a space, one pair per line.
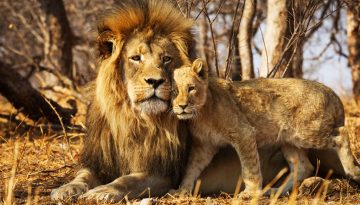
120, 140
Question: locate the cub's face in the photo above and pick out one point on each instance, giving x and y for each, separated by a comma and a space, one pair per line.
190, 89
148, 67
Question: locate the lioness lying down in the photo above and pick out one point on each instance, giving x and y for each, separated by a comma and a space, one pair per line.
250, 114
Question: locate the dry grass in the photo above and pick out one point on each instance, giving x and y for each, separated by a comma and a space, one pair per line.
36, 159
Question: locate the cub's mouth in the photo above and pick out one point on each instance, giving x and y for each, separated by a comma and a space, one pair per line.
184, 115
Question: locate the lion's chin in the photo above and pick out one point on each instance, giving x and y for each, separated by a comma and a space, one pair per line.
153, 106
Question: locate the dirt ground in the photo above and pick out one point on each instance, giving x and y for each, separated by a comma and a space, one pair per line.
37, 157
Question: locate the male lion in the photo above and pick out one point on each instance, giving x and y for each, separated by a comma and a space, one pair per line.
251, 114
132, 144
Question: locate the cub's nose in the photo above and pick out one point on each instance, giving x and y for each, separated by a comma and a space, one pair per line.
183, 106
154, 82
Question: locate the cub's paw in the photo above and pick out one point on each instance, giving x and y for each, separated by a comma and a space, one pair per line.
248, 195
244, 196
310, 186
70, 191
179, 192
354, 174
104, 193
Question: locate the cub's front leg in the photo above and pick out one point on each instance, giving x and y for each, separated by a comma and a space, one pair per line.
201, 155
244, 142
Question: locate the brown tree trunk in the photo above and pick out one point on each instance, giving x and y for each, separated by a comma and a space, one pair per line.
203, 41
276, 38
297, 62
353, 33
296, 9
245, 37
236, 72
24, 97
61, 36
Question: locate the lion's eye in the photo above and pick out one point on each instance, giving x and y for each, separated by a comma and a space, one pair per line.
191, 88
166, 59
136, 58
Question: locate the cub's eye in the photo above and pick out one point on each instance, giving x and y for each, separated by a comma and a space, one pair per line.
136, 58
166, 59
191, 88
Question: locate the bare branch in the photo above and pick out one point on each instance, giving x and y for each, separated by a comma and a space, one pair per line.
231, 40
212, 36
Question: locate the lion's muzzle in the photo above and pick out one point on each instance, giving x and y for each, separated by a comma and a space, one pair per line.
152, 96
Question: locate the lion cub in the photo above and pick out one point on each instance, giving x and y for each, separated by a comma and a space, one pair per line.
249, 114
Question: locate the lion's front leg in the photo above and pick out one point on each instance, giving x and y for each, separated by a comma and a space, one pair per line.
132, 186
83, 181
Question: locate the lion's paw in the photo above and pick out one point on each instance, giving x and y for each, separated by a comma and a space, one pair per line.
70, 191
104, 193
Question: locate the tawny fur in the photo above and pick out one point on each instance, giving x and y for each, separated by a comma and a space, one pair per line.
132, 143
250, 114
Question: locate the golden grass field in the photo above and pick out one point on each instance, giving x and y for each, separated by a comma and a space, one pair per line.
37, 157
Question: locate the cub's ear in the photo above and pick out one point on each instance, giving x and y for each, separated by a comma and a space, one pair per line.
199, 67
105, 42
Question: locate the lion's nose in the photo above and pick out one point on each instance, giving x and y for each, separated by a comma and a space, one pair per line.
183, 106
154, 82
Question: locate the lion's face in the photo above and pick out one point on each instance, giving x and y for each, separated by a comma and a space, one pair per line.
190, 85
148, 64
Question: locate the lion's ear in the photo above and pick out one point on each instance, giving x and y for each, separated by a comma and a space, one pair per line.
106, 43
199, 67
